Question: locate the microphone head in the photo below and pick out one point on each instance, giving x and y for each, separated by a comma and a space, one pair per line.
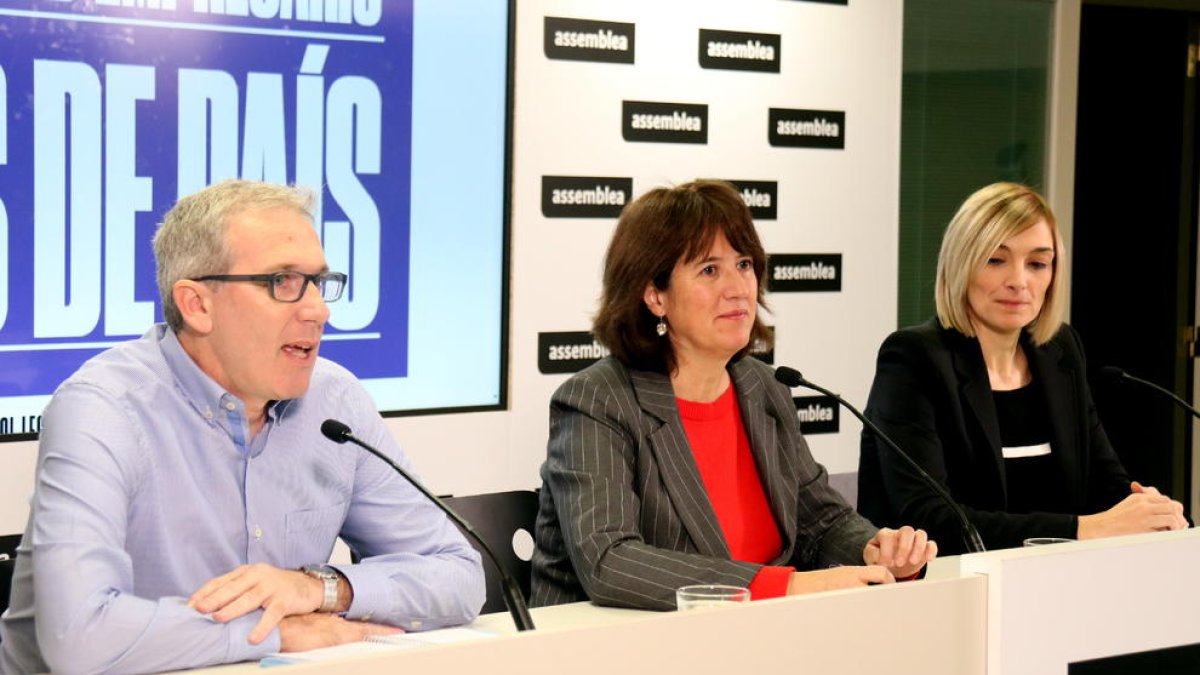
335, 431
789, 376
1113, 374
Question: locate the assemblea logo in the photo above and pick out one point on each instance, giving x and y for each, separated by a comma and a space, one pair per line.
585, 40
731, 50
648, 121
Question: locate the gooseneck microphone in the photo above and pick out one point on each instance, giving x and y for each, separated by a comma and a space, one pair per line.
1117, 375
792, 378
338, 432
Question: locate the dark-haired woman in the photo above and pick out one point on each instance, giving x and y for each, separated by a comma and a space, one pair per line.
677, 460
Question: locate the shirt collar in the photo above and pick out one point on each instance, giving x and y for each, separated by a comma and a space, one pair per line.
206, 396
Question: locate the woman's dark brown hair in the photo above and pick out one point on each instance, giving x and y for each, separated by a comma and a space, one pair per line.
660, 229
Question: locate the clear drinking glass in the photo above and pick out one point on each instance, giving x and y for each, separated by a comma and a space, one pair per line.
705, 595
1045, 541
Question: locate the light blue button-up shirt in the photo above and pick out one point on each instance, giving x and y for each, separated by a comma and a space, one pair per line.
147, 487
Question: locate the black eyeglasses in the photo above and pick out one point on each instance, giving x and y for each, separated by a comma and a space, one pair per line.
290, 286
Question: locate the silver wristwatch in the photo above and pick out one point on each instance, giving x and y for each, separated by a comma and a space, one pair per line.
329, 578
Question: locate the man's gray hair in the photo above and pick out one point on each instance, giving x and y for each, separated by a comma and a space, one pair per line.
191, 242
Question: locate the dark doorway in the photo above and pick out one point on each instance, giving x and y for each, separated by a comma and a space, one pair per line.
1134, 241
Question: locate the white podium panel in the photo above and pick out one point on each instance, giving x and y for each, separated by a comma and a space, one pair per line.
923, 627
1051, 606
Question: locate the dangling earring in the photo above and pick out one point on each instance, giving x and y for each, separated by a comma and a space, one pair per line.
661, 328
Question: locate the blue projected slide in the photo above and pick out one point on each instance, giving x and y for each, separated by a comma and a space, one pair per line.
395, 113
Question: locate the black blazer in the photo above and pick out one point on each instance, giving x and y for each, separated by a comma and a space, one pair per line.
625, 518
932, 396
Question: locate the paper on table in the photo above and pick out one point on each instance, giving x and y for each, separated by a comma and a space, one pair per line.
433, 637
376, 643
326, 653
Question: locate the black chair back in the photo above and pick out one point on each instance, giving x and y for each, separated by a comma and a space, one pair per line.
502, 519
8, 546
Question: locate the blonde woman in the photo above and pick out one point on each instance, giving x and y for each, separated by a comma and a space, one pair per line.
991, 398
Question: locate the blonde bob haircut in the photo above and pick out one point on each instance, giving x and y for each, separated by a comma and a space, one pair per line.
985, 221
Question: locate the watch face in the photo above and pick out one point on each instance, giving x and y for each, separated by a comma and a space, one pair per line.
320, 571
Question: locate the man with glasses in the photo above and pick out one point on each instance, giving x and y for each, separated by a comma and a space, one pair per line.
186, 502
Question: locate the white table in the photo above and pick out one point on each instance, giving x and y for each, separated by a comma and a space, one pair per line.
931, 627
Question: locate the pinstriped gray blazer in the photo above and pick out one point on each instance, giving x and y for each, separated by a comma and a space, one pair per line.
624, 518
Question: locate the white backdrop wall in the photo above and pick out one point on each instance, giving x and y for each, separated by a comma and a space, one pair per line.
832, 58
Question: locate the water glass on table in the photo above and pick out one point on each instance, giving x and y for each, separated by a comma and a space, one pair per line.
709, 595
1046, 541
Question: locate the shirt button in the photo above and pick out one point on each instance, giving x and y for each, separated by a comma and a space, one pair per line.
258, 534
208, 413
230, 405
